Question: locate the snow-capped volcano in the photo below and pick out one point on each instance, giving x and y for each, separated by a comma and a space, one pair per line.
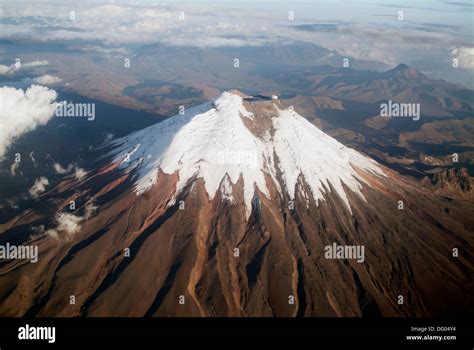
241, 139
229, 210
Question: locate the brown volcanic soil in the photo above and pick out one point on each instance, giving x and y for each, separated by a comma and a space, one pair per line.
190, 252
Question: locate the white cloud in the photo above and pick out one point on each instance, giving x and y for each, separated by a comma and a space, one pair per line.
465, 56
59, 169
8, 70
69, 224
104, 50
109, 137
14, 167
215, 41
133, 23
5, 70
34, 64
47, 80
22, 111
79, 173
147, 26
39, 187
90, 210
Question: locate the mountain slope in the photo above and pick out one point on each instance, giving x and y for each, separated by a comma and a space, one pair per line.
403, 84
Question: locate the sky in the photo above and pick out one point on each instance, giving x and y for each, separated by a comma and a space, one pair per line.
431, 30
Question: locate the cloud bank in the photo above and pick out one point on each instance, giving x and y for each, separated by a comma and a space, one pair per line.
9, 70
365, 30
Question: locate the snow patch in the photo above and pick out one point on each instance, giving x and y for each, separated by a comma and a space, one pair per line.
226, 190
303, 149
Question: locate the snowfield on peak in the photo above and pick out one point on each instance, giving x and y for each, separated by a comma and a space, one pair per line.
212, 142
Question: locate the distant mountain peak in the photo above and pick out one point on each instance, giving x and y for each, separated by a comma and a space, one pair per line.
406, 72
401, 67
